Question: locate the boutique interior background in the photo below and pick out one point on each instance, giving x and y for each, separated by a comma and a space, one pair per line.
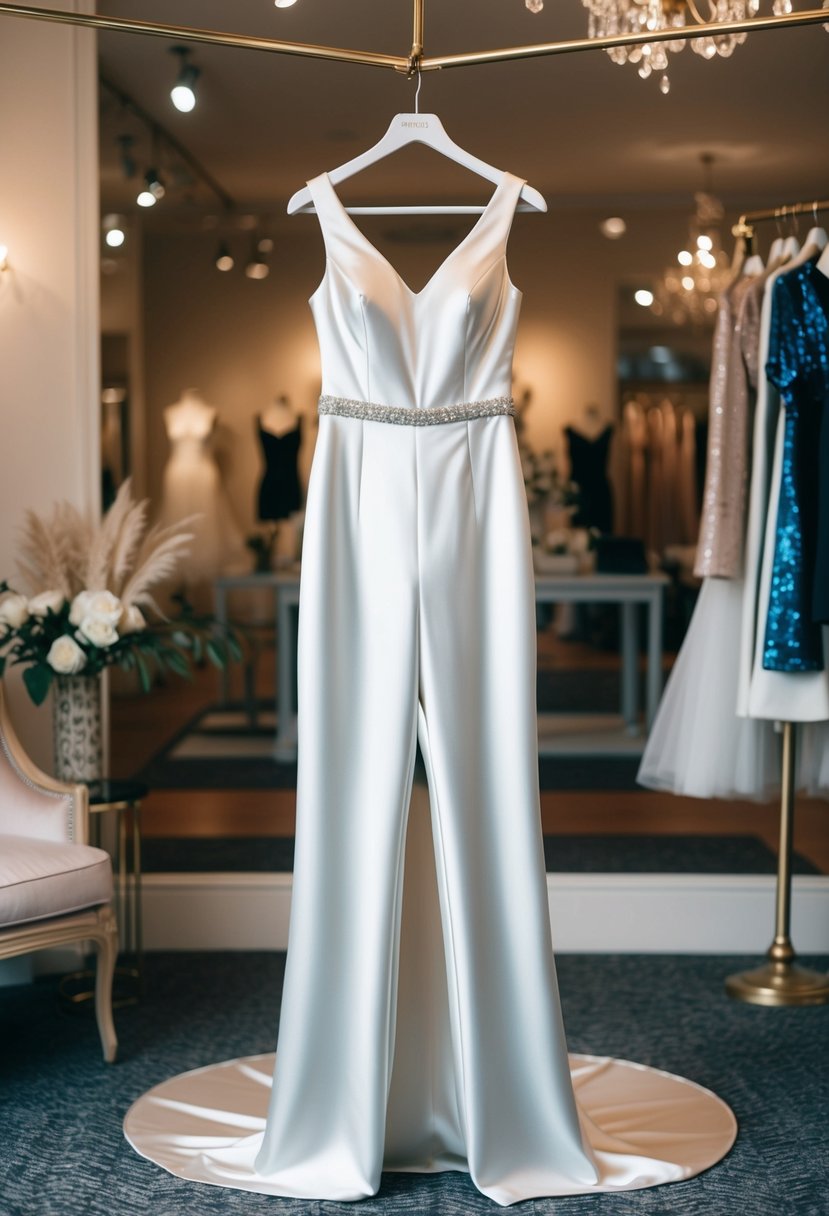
597, 141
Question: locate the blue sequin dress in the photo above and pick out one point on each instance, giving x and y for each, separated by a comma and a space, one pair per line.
798, 364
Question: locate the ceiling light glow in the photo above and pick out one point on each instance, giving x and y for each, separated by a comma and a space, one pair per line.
643, 297
183, 92
613, 227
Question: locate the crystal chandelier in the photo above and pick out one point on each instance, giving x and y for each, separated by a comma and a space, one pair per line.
608, 17
688, 291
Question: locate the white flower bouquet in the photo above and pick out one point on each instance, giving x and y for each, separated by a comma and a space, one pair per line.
91, 604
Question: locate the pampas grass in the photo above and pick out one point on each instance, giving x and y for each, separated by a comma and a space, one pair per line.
65, 552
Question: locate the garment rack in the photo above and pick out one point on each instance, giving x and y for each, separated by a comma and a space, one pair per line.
781, 980
745, 224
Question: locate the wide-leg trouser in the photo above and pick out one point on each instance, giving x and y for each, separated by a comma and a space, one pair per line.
419, 1032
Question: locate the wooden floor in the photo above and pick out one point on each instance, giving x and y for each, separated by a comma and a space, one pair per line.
141, 725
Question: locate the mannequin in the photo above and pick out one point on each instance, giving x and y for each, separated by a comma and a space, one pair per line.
192, 485
280, 434
588, 446
279, 417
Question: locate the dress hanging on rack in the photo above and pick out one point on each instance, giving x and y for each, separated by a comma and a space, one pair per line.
420, 1027
708, 739
697, 745
790, 680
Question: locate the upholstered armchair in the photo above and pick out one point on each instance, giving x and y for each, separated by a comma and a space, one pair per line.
54, 887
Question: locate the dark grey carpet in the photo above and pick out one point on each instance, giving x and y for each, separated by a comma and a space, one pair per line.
62, 1151
563, 854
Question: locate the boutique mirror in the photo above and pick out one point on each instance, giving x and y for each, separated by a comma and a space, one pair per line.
208, 294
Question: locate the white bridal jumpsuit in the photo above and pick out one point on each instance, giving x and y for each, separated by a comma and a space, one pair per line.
420, 1026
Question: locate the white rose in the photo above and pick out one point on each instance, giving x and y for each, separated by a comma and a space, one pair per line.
47, 601
79, 607
14, 610
98, 631
101, 604
132, 620
65, 656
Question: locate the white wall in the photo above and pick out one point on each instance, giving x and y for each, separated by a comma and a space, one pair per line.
49, 380
239, 342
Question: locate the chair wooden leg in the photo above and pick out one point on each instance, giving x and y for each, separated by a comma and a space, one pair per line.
107, 946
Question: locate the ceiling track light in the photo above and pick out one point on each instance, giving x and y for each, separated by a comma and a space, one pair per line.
128, 166
224, 258
183, 92
184, 169
257, 267
153, 189
114, 231
4, 259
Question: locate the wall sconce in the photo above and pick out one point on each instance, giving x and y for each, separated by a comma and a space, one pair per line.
4, 258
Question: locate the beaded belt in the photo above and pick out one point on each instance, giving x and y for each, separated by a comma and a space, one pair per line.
348, 407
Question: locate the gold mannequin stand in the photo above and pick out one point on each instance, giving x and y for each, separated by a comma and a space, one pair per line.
781, 981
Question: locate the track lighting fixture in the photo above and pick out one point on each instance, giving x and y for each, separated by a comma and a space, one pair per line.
114, 234
183, 92
153, 189
224, 258
257, 267
128, 165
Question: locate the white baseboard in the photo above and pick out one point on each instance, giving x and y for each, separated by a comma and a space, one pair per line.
590, 913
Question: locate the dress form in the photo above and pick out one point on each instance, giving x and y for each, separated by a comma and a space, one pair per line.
588, 447
279, 429
192, 486
279, 417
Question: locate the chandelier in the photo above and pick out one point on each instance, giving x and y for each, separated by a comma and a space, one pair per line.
608, 17
688, 291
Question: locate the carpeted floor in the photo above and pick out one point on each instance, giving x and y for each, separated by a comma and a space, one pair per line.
62, 1152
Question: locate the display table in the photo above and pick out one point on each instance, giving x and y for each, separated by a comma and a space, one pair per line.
609, 734
559, 734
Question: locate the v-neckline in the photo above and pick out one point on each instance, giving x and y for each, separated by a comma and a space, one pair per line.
415, 295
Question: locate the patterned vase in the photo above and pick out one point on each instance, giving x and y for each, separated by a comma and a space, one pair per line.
77, 733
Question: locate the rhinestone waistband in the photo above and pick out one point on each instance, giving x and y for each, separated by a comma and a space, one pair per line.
348, 407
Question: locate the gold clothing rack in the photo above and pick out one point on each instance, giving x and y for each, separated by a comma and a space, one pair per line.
415, 60
745, 224
781, 981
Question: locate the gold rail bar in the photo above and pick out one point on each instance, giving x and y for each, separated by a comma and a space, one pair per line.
782, 213
417, 34
401, 63
184, 33
536, 50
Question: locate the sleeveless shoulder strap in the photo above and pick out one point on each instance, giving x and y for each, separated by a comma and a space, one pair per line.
504, 210
333, 220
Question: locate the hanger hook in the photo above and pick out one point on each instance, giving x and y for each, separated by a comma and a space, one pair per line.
417, 91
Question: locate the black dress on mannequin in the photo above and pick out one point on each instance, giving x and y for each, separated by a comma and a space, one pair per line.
279, 491
588, 469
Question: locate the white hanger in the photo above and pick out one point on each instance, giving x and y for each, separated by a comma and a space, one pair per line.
405, 129
822, 263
